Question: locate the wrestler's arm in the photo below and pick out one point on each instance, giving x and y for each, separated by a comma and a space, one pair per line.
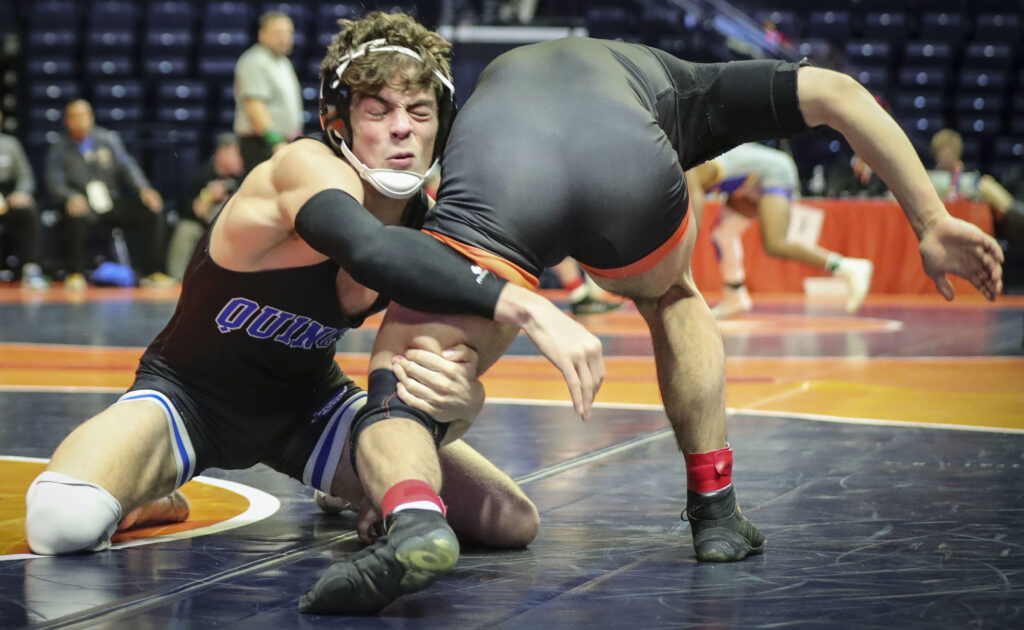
948, 245
321, 197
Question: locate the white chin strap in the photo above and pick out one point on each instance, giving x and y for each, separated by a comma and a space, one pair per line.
390, 182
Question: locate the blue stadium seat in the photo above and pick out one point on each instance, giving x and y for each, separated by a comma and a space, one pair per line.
868, 52
983, 80
222, 68
167, 66
59, 91
111, 66
1008, 148
228, 16
988, 56
53, 14
912, 103
926, 125
327, 15
110, 42
979, 104
973, 147
997, 27
193, 114
115, 115
182, 92
875, 78
170, 15
888, 25
114, 14
943, 26
224, 43
123, 92
161, 41
226, 116
312, 68
46, 117
923, 77
983, 124
51, 41
51, 67
1017, 125
928, 52
834, 26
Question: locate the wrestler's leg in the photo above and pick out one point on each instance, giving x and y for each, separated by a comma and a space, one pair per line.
106, 469
774, 213
690, 361
398, 464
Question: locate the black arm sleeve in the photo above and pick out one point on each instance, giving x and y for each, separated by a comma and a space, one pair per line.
413, 269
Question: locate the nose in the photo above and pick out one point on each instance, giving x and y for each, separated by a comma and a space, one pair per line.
401, 124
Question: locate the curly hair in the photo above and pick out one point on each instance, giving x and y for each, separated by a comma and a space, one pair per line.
370, 73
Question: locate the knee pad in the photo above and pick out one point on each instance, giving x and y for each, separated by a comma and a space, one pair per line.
383, 403
65, 515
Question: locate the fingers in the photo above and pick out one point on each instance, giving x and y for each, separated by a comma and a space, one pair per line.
945, 287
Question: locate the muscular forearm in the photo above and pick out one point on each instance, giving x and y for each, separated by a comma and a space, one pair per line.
840, 102
411, 268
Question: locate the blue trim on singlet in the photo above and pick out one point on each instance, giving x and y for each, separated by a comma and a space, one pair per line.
185, 461
325, 452
778, 190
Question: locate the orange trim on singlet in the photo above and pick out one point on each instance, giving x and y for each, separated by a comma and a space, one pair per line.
647, 262
491, 262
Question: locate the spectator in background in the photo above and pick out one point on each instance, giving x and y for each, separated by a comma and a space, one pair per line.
94, 179
18, 210
210, 188
954, 183
268, 99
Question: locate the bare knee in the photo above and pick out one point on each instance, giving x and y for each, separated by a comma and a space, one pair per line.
516, 523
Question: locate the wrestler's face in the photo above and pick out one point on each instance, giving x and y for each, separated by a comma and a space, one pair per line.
395, 130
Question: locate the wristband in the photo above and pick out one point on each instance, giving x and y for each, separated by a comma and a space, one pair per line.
272, 138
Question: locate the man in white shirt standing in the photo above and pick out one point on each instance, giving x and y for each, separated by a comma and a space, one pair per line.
268, 99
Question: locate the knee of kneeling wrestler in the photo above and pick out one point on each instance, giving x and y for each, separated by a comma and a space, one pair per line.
515, 524
65, 515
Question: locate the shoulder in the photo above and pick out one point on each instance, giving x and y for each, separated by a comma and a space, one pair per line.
310, 166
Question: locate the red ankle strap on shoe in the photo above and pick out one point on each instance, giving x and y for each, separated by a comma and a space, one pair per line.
707, 472
409, 491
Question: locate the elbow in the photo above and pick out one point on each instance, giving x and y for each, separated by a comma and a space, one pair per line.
826, 96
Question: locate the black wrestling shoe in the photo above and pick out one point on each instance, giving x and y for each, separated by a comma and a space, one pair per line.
720, 532
594, 306
418, 548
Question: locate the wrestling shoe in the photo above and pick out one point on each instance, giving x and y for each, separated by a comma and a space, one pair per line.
857, 273
418, 548
720, 532
736, 301
593, 306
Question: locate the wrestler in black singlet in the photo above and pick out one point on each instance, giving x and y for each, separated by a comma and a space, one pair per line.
247, 359
577, 147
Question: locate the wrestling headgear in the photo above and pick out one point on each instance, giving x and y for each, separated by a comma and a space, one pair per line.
335, 99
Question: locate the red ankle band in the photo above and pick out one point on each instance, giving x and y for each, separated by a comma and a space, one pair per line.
408, 491
707, 472
572, 285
